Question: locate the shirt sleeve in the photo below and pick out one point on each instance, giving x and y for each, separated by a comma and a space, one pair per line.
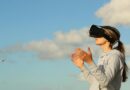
104, 77
87, 75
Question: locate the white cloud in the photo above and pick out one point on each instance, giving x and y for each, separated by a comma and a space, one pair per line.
73, 36
115, 12
61, 46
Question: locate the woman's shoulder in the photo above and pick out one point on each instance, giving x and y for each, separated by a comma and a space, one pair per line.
115, 52
116, 55
111, 53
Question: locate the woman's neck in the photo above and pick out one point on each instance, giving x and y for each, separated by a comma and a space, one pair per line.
106, 48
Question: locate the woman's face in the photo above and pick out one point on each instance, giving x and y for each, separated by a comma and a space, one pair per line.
100, 41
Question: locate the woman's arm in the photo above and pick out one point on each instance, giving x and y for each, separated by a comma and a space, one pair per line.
110, 71
87, 75
77, 59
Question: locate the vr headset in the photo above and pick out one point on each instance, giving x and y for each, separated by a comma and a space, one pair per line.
98, 31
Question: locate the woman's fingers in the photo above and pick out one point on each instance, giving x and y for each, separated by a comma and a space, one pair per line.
74, 56
77, 60
79, 53
89, 50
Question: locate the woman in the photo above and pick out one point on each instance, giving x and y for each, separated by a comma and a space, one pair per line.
111, 69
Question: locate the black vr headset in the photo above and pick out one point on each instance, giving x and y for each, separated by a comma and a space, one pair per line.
98, 31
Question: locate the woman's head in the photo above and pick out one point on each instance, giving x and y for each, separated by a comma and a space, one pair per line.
106, 35
111, 34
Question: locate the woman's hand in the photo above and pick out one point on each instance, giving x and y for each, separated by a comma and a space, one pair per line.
88, 56
80, 56
76, 58
85, 56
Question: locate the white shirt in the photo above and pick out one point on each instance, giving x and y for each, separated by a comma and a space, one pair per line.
107, 75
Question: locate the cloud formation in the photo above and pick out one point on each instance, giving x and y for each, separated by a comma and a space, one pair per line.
61, 46
115, 12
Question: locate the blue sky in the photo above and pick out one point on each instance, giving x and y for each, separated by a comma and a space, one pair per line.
36, 39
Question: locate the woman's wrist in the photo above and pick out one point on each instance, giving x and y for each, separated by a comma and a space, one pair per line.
90, 62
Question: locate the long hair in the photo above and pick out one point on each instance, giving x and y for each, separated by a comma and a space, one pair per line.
125, 71
115, 34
